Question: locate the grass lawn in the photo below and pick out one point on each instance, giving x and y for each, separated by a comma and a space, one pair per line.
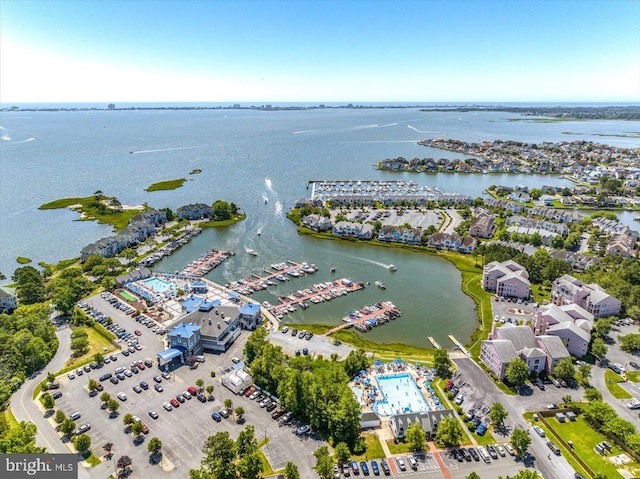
97, 344
93, 210
383, 351
266, 467
612, 379
633, 376
215, 224
373, 448
91, 459
10, 418
584, 440
23, 260
166, 185
540, 293
400, 448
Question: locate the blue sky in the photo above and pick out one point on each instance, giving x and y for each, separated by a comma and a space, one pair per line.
319, 51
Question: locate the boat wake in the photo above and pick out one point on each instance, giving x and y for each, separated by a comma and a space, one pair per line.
140, 152
267, 181
377, 263
278, 208
306, 131
265, 199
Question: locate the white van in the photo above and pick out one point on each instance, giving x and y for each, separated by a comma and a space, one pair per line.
484, 454
412, 462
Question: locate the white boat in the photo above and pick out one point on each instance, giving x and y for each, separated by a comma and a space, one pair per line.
380, 285
637, 218
392, 267
252, 252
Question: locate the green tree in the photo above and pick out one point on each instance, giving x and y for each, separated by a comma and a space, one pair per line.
199, 383
599, 348
255, 344
47, 401
137, 428
520, 441
592, 394
64, 299
497, 415
517, 372
228, 404
68, 426
221, 210
324, 463
93, 385
209, 389
154, 446
629, 342
250, 466
341, 452
473, 475
128, 419
105, 397
527, 474
59, 417
113, 406
19, 439
355, 362
291, 471
239, 412
564, 369
98, 358
449, 433
535, 193
218, 457
566, 399
441, 362
416, 437
246, 442
51, 377
584, 374
82, 442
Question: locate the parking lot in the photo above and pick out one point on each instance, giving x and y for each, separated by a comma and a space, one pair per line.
316, 345
416, 218
183, 430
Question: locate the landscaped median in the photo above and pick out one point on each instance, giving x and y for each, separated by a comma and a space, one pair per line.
577, 441
612, 379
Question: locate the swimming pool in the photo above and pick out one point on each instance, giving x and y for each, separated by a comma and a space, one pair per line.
158, 285
400, 393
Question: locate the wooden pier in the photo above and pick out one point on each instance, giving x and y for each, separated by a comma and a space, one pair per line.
433, 342
281, 271
319, 293
459, 345
206, 263
384, 311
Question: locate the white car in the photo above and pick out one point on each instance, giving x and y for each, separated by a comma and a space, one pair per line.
633, 404
539, 430
510, 450
459, 398
122, 396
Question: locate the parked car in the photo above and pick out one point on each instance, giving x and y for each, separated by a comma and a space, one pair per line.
385, 467
137, 389
554, 448
414, 464
82, 429
71, 375
158, 387
492, 451
180, 398
144, 385
364, 467
539, 431
302, 430
186, 395
510, 450
174, 403
401, 465
167, 406
201, 397
216, 417
153, 414
122, 396
224, 413
374, 468
481, 430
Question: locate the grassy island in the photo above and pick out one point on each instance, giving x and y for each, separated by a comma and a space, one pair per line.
23, 260
230, 221
166, 185
100, 208
196, 171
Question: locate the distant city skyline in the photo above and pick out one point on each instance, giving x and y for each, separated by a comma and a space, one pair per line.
319, 51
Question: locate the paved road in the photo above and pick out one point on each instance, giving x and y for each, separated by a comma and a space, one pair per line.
480, 389
456, 220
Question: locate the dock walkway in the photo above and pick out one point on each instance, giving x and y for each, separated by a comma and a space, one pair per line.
319, 293
379, 313
206, 263
279, 271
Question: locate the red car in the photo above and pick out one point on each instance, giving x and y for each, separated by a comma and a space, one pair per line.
175, 403
141, 366
249, 392
137, 332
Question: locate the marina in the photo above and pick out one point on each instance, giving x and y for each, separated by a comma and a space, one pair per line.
206, 263
368, 317
318, 293
279, 271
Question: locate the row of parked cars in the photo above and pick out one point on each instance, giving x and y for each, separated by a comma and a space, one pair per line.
116, 303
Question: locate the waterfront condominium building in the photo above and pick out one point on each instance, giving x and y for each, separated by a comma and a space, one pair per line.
507, 279
569, 290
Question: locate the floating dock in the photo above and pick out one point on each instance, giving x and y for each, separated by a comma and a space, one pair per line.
206, 263
433, 342
319, 293
368, 317
279, 271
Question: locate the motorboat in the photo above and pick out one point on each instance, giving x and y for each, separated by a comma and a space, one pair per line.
392, 267
252, 252
380, 285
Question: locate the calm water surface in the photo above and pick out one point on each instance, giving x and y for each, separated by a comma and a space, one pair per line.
51, 155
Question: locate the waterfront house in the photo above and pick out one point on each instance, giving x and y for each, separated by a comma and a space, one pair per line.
196, 211
317, 222
8, 299
507, 279
592, 297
